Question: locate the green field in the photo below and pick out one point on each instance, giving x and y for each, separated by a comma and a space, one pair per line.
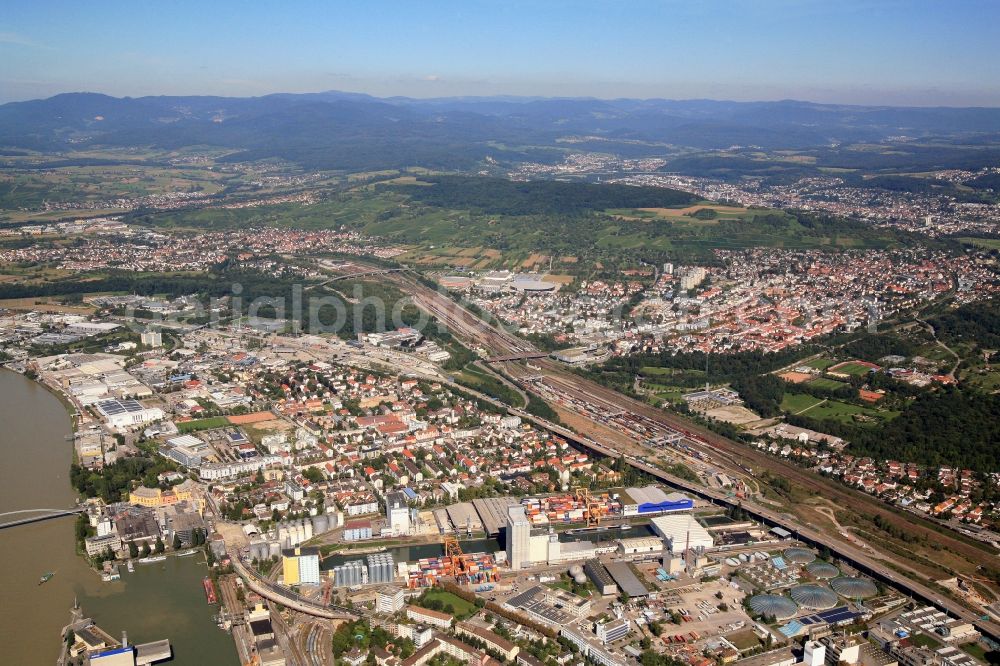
853, 369
984, 243
815, 408
925, 640
793, 403
820, 363
203, 424
463, 608
826, 383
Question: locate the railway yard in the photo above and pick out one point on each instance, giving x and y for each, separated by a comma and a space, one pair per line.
651, 428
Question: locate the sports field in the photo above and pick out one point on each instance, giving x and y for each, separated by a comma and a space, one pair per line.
854, 368
815, 408
825, 383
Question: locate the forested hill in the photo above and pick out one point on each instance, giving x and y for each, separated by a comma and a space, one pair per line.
335, 130
498, 196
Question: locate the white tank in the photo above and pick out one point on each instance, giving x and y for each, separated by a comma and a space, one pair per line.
575, 570
274, 549
580, 578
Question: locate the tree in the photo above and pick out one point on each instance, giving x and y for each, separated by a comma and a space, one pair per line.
159, 548
177, 541
144, 551
133, 550
312, 474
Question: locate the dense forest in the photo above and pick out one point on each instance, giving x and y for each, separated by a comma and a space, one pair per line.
507, 197
691, 367
951, 427
976, 323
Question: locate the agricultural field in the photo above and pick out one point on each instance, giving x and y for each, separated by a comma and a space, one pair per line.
31, 189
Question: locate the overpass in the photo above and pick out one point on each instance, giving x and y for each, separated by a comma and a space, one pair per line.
45, 514
287, 597
517, 357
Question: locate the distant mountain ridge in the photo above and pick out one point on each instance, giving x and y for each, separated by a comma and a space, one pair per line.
353, 130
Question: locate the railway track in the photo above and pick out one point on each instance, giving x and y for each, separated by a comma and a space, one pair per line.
740, 459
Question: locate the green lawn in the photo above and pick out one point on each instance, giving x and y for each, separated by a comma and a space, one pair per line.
976, 650
463, 608
794, 403
924, 640
826, 383
665, 391
819, 363
203, 424
831, 409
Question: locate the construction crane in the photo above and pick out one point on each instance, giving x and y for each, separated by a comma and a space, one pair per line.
594, 510
452, 548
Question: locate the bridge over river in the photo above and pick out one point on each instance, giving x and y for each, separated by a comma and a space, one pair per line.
10, 519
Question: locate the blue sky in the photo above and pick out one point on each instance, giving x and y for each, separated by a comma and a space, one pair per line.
908, 52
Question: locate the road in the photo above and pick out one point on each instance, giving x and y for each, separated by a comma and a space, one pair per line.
287, 597
846, 551
736, 456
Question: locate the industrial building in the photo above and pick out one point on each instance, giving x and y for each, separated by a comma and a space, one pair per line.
640, 547
518, 538
626, 580
652, 500
397, 513
358, 530
493, 513
463, 517
300, 566
127, 413
381, 568
350, 574
682, 531
600, 577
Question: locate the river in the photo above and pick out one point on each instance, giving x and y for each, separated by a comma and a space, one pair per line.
163, 600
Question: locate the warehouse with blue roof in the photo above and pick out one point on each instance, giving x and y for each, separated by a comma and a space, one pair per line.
653, 500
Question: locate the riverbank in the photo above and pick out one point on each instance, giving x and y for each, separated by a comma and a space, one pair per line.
165, 599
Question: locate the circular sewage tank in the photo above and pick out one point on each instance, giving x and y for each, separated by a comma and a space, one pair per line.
775, 605
799, 555
822, 570
854, 588
814, 597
